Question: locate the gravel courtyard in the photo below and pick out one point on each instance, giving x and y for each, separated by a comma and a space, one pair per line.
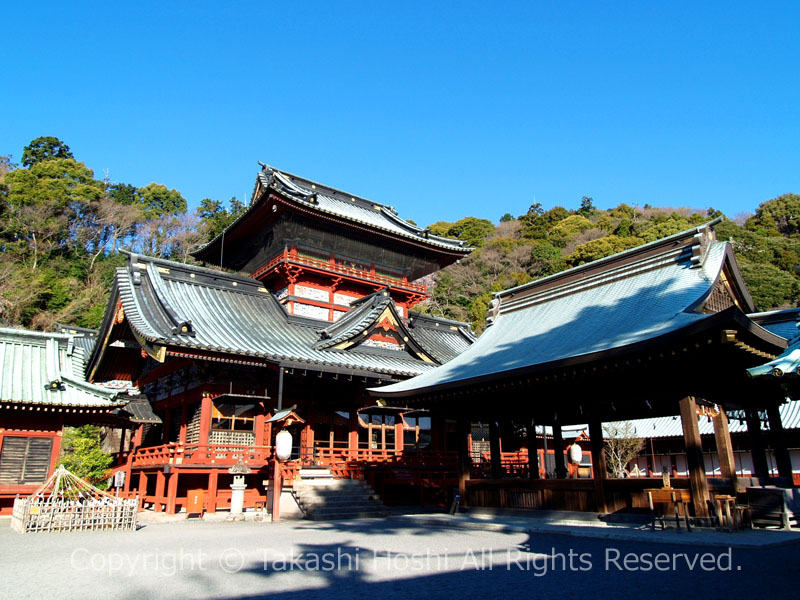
377, 558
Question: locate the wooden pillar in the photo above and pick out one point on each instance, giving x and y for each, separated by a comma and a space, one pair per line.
267, 433
779, 446
277, 488
599, 469
494, 447
533, 451
137, 441
122, 437
258, 429
558, 452
463, 431
722, 433
142, 488
307, 442
352, 435
167, 426
182, 433
160, 483
694, 456
205, 420
757, 446
172, 492
398, 434
211, 501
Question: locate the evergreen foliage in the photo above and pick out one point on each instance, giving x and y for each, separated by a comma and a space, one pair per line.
61, 229
83, 456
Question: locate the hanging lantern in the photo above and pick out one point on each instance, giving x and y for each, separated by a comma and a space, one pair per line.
283, 445
575, 454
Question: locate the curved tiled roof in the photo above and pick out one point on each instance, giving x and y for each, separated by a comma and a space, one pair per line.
616, 302
194, 308
31, 361
348, 207
671, 426
784, 323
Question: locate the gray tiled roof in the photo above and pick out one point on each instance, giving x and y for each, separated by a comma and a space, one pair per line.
236, 315
616, 302
327, 200
352, 208
441, 338
31, 361
672, 427
361, 315
784, 323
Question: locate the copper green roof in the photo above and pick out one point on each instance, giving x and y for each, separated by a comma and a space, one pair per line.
47, 369
620, 302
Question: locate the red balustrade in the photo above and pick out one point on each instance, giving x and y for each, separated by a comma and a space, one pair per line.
327, 265
177, 454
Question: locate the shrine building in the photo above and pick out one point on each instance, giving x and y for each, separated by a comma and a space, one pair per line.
42, 390
307, 300
664, 330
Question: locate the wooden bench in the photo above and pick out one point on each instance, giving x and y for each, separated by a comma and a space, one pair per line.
668, 496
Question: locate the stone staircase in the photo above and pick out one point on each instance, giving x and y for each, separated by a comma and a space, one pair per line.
323, 498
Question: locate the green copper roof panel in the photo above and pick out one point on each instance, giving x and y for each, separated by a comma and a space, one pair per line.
47, 369
638, 295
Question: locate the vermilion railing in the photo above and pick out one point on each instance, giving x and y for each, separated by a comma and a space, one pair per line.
342, 461
329, 265
177, 454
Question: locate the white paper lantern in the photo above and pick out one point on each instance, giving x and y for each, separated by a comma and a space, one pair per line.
283, 445
575, 454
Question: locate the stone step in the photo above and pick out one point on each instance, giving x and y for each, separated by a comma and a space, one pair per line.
330, 482
355, 507
318, 485
315, 473
328, 499
333, 493
313, 503
366, 514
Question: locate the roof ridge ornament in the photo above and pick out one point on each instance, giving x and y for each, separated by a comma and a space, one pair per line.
703, 240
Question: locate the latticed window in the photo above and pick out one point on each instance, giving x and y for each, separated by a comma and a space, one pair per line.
25, 460
719, 299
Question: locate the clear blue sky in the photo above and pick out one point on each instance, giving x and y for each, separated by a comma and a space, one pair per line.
442, 109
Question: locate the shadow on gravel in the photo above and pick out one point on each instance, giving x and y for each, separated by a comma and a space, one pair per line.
540, 566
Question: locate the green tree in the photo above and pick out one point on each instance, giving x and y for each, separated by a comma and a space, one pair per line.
44, 148
215, 218
587, 208
770, 287
158, 201
83, 456
471, 230
45, 204
124, 193
568, 228
601, 248
666, 227
779, 215
506, 218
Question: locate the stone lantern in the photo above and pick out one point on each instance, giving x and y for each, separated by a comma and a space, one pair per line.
239, 470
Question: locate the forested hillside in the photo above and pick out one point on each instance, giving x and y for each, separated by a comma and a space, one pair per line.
61, 229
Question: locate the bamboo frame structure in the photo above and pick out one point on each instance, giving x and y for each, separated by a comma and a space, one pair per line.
67, 503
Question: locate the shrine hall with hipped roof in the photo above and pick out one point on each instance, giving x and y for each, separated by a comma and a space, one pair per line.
659, 330
307, 299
